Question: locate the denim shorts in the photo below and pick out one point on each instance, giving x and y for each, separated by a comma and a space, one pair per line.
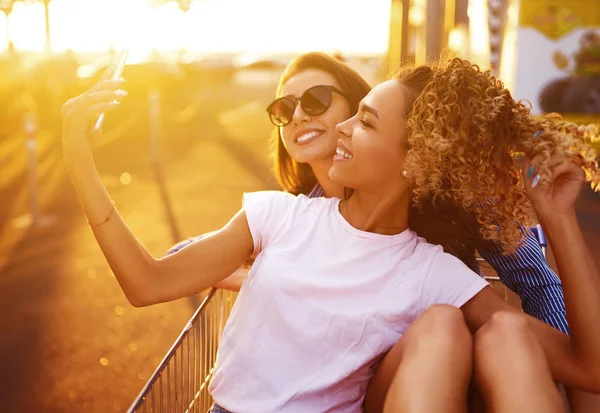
217, 409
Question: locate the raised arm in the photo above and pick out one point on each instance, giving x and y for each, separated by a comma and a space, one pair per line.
144, 279
232, 283
574, 361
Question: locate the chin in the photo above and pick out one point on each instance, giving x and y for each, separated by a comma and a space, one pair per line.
312, 152
340, 177
311, 156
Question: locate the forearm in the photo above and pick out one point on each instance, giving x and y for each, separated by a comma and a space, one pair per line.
143, 278
581, 402
129, 260
581, 286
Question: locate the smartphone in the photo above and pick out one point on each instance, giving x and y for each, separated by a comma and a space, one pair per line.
119, 66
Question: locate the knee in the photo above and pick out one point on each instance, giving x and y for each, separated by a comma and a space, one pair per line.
505, 333
506, 347
502, 327
443, 317
443, 326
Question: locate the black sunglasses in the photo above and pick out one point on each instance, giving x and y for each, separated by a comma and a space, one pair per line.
315, 101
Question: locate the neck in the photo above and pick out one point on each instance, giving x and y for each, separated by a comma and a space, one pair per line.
321, 171
383, 212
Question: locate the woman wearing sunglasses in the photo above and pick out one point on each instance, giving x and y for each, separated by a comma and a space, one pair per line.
337, 282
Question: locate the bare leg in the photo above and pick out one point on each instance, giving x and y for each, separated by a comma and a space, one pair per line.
428, 370
510, 368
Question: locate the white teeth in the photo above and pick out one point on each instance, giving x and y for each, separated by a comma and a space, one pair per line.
307, 136
341, 152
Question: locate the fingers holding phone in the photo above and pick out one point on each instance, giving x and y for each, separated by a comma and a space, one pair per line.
79, 112
113, 73
90, 107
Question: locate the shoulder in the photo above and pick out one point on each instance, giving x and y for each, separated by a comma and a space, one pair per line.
433, 258
426, 252
267, 197
284, 203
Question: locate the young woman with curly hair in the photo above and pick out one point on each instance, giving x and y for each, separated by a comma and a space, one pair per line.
336, 283
462, 129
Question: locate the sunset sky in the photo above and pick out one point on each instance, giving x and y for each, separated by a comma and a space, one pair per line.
263, 26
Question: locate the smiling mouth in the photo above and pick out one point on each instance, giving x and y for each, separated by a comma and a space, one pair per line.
308, 136
342, 154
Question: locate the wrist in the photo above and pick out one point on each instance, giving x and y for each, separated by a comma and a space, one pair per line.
76, 151
558, 221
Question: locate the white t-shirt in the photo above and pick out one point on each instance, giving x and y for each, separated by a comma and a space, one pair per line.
321, 305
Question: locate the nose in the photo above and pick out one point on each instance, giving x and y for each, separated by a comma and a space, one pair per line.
344, 128
299, 115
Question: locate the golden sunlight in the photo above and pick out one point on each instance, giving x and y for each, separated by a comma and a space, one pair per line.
261, 26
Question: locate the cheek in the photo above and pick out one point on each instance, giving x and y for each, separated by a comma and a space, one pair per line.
286, 135
335, 115
382, 159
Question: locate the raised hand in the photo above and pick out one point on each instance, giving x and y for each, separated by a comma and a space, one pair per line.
557, 195
81, 111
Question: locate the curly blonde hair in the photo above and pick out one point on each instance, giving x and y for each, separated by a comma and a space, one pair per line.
464, 131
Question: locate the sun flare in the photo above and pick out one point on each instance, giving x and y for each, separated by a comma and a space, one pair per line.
265, 26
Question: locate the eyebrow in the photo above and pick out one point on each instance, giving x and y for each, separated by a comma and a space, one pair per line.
290, 95
370, 109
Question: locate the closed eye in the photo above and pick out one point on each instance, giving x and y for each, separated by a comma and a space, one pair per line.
365, 123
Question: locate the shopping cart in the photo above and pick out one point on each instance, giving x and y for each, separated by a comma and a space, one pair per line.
180, 383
